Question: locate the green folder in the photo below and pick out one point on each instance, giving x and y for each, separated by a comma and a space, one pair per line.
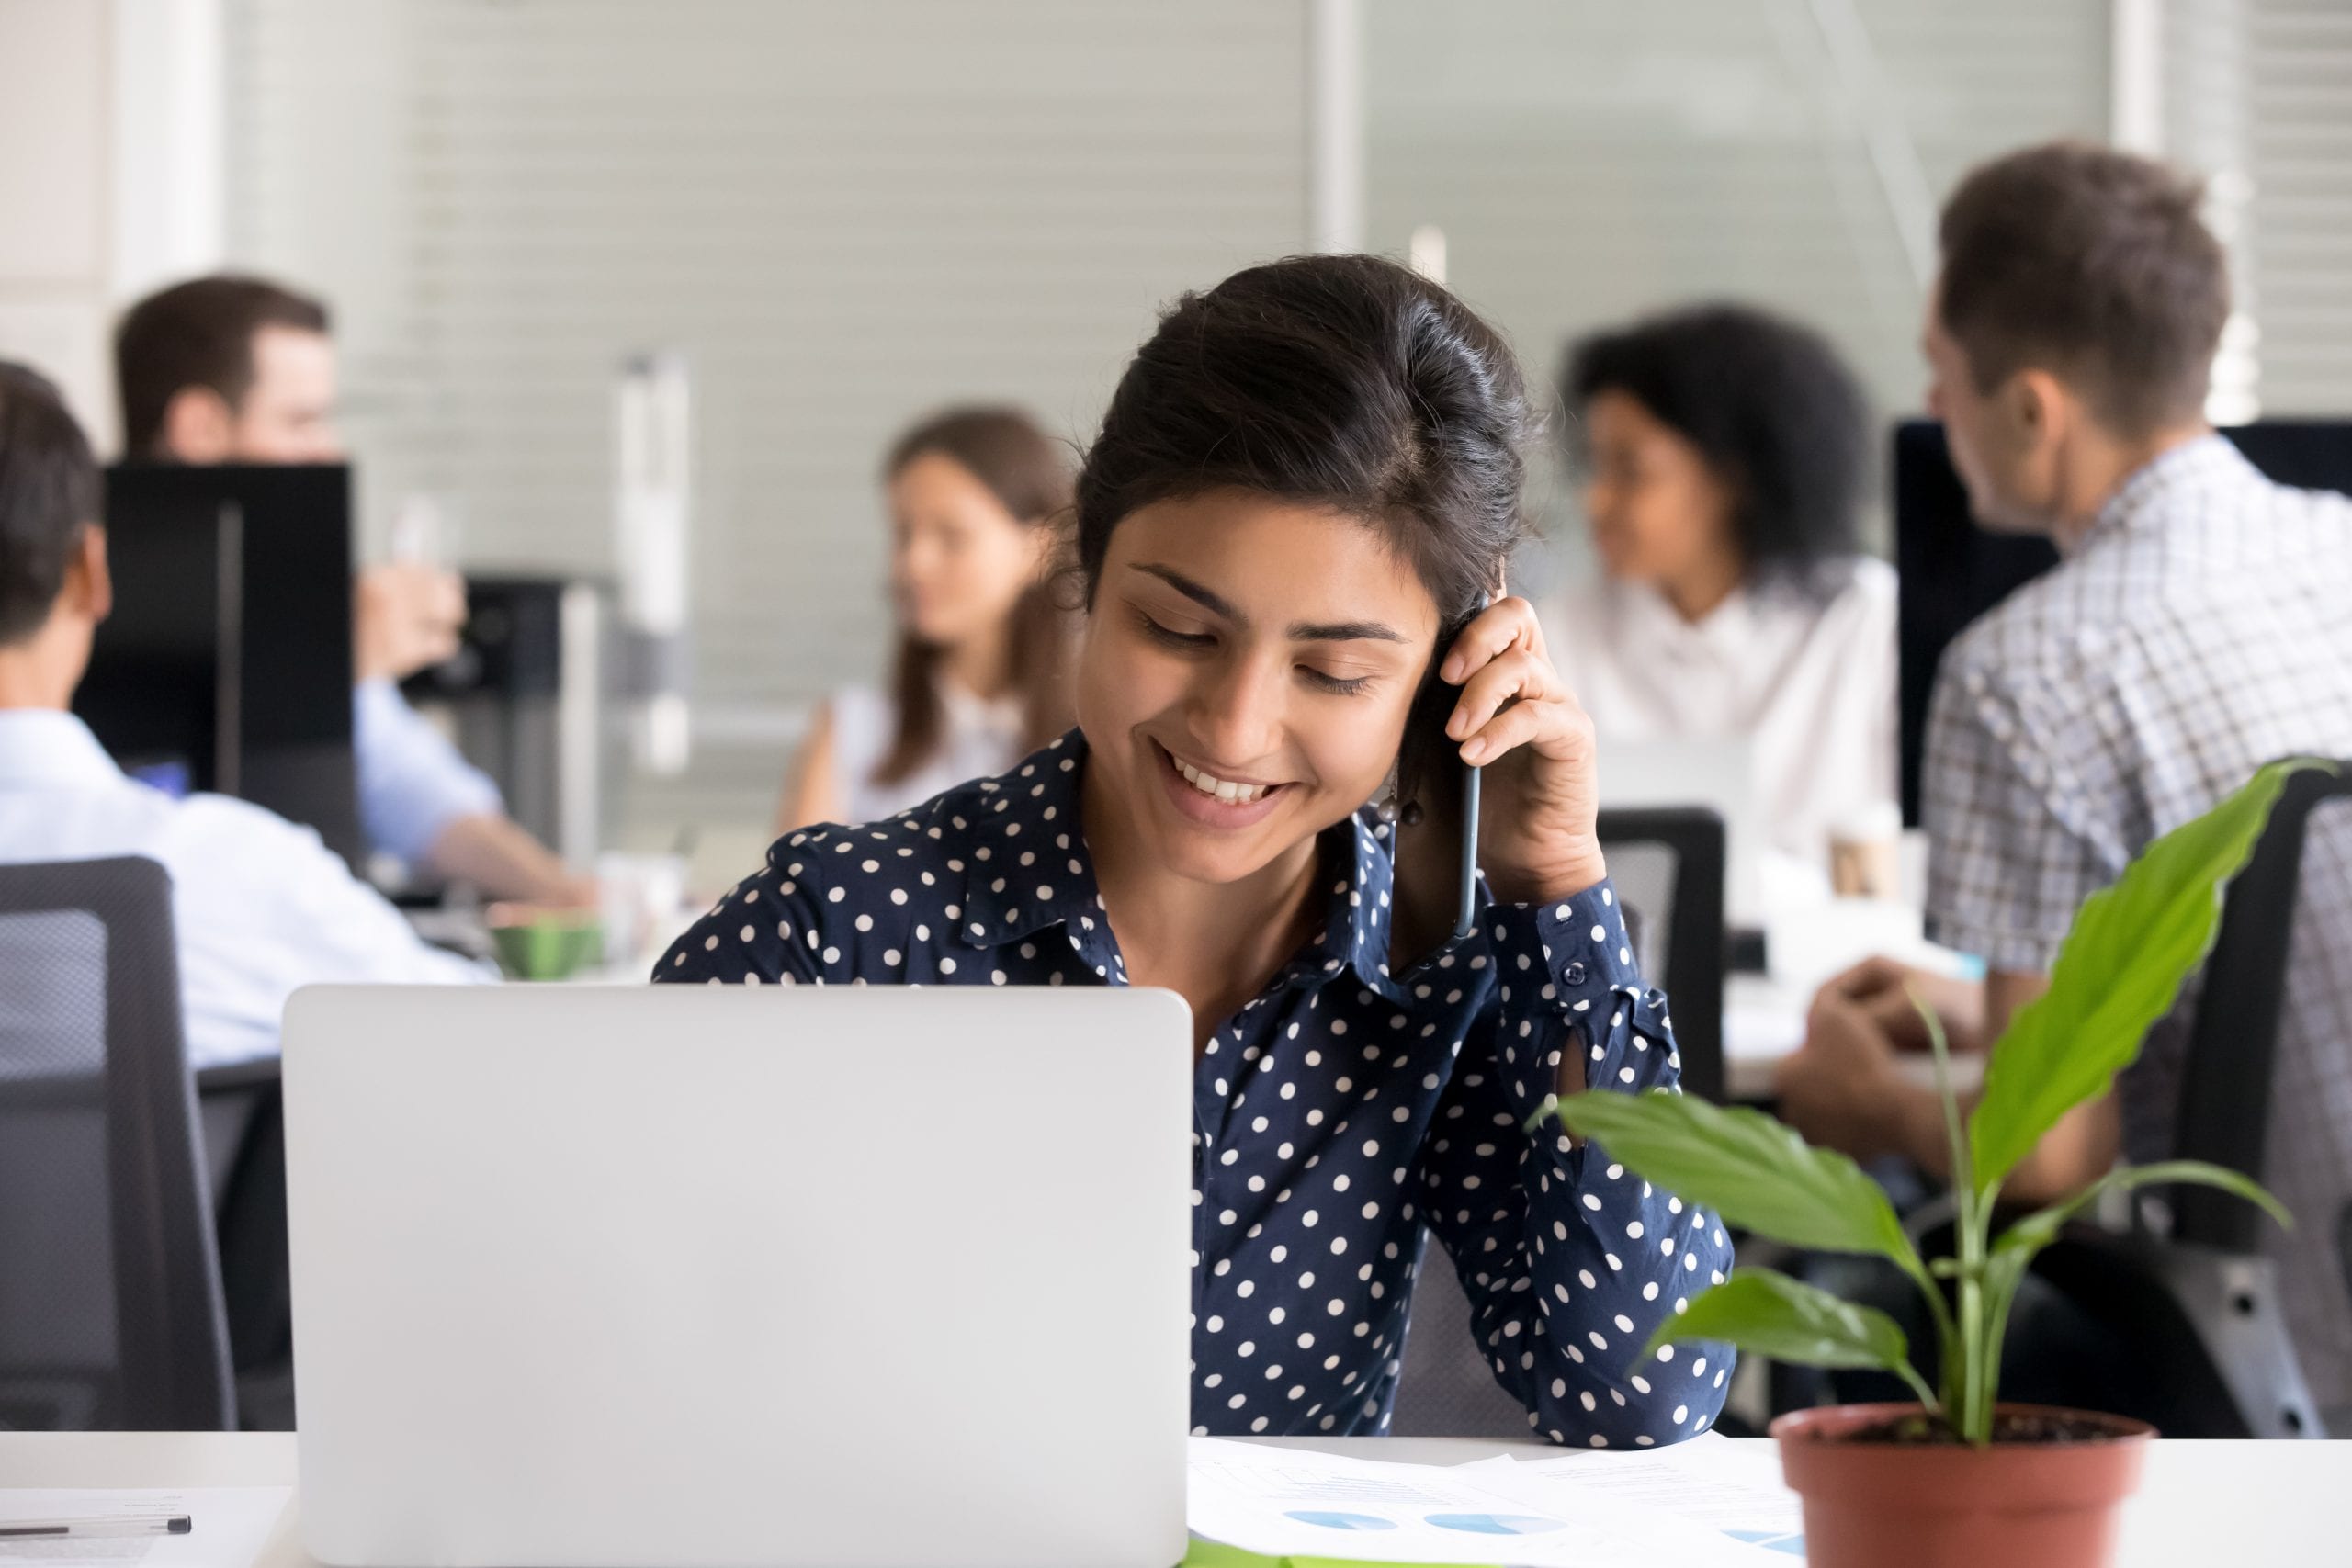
1217, 1555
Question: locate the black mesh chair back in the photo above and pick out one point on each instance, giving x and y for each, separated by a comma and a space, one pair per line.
2234, 1049
110, 1313
1666, 864
2200, 1302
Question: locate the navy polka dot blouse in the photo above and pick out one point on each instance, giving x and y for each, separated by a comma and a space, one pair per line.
1341, 1115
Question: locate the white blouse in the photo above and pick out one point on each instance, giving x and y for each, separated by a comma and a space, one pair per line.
978, 739
1810, 686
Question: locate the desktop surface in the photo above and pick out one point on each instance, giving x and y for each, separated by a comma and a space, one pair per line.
2199, 1504
622, 1275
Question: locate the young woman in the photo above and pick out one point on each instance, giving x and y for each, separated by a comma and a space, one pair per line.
1724, 456
1306, 482
981, 676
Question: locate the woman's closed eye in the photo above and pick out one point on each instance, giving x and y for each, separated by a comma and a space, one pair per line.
1171, 637
1321, 679
1338, 685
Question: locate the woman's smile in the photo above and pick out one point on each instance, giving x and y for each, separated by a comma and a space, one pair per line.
1213, 799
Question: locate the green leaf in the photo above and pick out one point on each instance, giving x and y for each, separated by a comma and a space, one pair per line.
1772, 1314
1750, 1169
2031, 1234
2131, 946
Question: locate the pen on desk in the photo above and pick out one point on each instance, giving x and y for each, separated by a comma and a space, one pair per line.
101, 1525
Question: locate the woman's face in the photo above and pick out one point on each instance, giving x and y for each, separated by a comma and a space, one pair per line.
1659, 509
959, 562
1246, 673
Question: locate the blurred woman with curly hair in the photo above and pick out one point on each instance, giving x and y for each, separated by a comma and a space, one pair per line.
1723, 453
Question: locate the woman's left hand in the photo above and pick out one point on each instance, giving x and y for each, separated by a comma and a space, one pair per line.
1515, 718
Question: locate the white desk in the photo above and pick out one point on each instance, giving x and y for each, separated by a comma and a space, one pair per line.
2201, 1503
1764, 1016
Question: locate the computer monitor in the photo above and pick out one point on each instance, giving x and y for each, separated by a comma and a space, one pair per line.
226, 664
1954, 568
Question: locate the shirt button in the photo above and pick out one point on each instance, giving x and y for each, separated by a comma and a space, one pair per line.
1575, 976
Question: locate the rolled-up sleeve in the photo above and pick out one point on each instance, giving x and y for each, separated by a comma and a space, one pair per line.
412, 781
2015, 799
1570, 1261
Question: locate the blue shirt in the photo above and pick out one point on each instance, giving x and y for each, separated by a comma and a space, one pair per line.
1342, 1116
413, 783
259, 906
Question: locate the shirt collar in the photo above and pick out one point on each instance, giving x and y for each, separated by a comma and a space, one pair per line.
1728, 629
44, 747
1026, 866
1032, 811
2146, 494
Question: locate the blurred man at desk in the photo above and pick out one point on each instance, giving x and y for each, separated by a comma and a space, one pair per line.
241, 370
2196, 627
259, 905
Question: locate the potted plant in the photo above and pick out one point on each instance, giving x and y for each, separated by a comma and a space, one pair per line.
1957, 1478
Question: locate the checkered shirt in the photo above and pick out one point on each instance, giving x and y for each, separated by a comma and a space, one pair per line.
2200, 629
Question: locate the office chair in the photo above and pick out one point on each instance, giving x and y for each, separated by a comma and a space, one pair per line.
2219, 1303
2201, 1300
1667, 867
243, 1107
110, 1311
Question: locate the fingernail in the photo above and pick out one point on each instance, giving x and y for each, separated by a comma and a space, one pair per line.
1475, 750
1447, 671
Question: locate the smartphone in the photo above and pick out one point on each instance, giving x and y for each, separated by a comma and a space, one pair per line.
1466, 911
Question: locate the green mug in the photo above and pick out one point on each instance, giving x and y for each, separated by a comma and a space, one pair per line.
545, 944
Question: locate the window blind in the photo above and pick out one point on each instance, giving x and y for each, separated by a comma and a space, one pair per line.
2298, 58
844, 215
1591, 160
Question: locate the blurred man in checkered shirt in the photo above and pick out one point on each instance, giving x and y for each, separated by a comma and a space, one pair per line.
2199, 625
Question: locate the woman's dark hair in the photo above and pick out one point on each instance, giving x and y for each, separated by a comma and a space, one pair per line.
1342, 381
1772, 409
49, 491
1029, 475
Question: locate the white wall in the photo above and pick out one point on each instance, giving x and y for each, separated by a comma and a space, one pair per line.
56, 232
110, 175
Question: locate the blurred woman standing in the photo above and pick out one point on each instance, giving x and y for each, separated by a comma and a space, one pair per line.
1723, 455
975, 496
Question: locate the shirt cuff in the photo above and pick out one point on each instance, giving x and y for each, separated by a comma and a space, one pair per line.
1570, 983
1579, 944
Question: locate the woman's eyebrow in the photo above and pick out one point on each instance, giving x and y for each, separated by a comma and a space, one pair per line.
1343, 631
1208, 599
1298, 631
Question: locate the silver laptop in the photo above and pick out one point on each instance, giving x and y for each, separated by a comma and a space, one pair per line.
719, 1276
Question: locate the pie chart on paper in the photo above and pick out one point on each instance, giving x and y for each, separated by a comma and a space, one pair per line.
1341, 1521
1496, 1524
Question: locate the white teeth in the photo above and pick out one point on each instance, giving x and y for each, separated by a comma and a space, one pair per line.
1221, 789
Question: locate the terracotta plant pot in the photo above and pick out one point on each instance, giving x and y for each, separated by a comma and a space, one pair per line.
1870, 1505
